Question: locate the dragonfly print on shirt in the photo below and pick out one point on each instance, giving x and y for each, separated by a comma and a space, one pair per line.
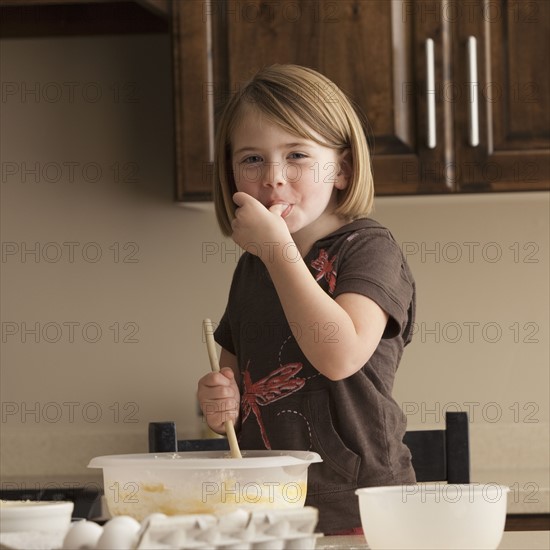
325, 269
277, 385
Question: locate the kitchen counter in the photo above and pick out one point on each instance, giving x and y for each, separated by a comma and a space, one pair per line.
511, 540
529, 488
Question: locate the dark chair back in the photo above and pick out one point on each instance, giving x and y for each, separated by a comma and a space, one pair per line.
437, 455
442, 455
163, 438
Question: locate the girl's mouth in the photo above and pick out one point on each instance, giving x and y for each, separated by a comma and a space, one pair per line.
286, 211
284, 206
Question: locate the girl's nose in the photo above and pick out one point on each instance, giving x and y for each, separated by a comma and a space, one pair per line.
273, 174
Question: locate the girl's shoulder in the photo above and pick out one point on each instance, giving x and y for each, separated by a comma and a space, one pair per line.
361, 243
364, 228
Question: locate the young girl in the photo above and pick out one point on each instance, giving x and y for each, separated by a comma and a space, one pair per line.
322, 302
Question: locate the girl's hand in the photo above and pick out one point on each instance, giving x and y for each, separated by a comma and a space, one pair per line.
257, 229
219, 398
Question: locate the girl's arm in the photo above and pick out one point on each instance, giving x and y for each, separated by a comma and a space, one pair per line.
218, 393
338, 336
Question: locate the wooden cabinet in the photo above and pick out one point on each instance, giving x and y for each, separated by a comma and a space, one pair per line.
476, 118
513, 74
47, 18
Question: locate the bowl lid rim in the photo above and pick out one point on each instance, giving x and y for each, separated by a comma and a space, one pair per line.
13, 507
208, 460
477, 487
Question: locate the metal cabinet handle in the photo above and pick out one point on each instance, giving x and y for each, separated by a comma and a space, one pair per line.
472, 93
430, 93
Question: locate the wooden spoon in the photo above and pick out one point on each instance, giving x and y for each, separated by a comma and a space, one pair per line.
215, 366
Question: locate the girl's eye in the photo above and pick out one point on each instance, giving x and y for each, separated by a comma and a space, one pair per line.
252, 159
297, 156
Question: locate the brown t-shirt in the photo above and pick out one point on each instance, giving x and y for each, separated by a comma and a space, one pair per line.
354, 424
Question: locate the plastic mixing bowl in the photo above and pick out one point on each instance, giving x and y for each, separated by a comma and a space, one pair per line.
433, 516
203, 482
29, 515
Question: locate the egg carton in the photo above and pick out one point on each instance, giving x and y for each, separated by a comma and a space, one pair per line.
241, 529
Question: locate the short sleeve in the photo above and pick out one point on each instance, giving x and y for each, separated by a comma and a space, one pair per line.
372, 264
222, 334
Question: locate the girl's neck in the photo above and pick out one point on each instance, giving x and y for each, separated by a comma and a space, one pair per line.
323, 226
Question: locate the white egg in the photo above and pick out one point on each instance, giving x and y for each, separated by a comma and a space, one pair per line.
82, 535
237, 518
119, 533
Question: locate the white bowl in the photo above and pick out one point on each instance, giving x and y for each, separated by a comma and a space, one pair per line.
203, 482
28, 515
433, 516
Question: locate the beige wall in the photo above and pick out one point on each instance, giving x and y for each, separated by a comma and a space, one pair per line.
73, 107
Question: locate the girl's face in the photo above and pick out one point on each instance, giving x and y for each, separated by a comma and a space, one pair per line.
274, 166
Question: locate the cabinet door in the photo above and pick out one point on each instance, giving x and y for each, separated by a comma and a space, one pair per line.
512, 93
192, 81
373, 50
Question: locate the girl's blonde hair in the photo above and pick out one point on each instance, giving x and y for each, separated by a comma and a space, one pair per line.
297, 99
